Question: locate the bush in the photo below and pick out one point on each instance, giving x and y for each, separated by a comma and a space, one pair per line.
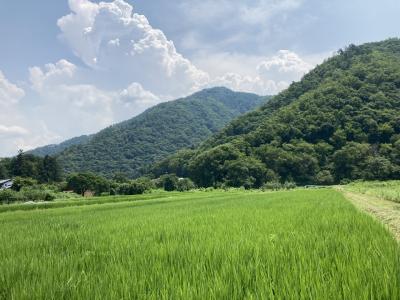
30, 194
9, 196
21, 182
26, 194
134, 187
289, 185
169, 182
272, 185
185, 184
325, 178
82, 182
276, 185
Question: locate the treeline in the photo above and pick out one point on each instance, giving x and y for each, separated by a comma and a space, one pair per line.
42, 169
340, 123
41, 179
82, 183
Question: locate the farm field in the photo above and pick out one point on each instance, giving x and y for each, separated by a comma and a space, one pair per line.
297, 244
387, 190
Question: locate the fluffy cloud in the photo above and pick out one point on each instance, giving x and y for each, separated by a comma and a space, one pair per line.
71, 106
111, 38
52, 74
285, 66
270, 76
250, 84
127, 66
16, 128
9, 93
135, 98
7, 131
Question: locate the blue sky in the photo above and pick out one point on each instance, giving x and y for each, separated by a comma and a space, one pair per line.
100, 63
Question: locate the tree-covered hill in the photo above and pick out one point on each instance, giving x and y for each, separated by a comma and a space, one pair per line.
340, 122
158, 132
57, 148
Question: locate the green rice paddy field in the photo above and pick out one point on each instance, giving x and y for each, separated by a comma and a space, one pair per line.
302, 244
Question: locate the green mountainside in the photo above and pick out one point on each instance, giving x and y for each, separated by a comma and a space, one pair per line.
340, 122
57, 148
158, 132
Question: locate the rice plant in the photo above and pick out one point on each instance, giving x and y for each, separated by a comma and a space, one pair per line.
200, 245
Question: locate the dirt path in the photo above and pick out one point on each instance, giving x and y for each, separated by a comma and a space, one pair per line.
387, 212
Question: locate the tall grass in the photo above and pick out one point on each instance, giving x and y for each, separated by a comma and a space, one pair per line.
283, 245
389, 190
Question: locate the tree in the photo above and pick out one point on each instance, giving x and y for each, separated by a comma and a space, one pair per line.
185, 184
349, 162
169, 182
3, 172
82, 182
246, 172
134, 187
25, 165
120, 177
378, 167
207, 169
50, 170
325, 177
17, 164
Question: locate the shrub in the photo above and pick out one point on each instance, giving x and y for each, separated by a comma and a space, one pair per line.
31, 194
272, 185
289, 185
276, 185
185, 184
169, 182
325, 178
22, 182
134, 187
26, 194
82, 182
9, 196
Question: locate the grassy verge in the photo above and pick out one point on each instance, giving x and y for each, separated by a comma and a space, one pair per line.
216, 245
388, 190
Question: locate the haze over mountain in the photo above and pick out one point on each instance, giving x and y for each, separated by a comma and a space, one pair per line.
340, 122
153, 135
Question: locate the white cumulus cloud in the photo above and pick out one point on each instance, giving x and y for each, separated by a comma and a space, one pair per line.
269, 76
285, 66
52, 74
72, 107
110, 37
126, 66
9, 92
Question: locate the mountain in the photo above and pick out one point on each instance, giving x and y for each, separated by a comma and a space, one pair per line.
157, 133
340, 122
57, 148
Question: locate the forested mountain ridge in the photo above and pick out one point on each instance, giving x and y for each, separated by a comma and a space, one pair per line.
160, 131
57, 148
340, 122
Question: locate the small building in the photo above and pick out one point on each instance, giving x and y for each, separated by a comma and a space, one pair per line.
6, 184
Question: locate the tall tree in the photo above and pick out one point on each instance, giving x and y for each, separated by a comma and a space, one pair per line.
50, 170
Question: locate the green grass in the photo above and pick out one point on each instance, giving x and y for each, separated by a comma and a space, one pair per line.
388, 190
217, 245
59, 203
